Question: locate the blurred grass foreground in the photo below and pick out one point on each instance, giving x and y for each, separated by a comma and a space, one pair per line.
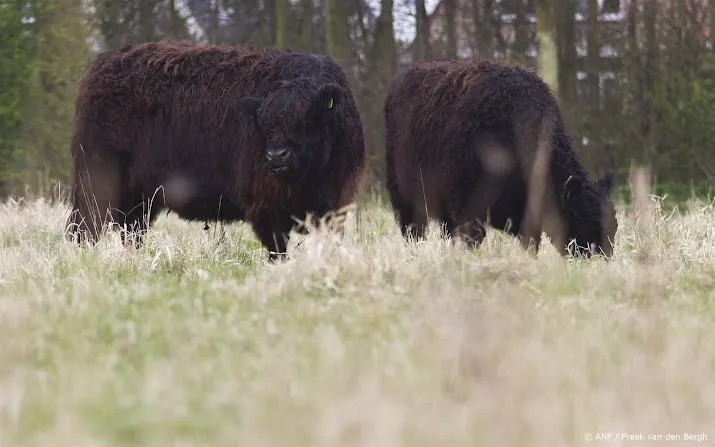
197, 340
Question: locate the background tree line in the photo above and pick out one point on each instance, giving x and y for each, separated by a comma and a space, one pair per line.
634, 77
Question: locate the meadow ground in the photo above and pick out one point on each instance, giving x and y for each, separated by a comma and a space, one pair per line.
197, 340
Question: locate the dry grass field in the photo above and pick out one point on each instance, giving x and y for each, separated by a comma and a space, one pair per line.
196, 340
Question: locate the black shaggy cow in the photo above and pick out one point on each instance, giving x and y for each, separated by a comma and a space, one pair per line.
471, 142
213, 134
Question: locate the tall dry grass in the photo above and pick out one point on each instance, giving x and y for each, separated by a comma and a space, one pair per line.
196, 340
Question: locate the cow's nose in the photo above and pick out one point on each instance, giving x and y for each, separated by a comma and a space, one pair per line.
278, 155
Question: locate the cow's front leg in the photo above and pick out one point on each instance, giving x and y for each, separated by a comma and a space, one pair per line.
274, 234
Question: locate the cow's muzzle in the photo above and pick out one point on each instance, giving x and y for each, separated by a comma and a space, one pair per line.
279, 158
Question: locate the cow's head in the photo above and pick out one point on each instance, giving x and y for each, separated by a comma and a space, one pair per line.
294, 122
593, 225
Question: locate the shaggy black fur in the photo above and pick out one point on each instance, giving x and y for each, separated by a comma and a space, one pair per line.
213, 134
464, 139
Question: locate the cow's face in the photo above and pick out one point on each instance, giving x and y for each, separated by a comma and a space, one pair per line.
593, 221
293, 120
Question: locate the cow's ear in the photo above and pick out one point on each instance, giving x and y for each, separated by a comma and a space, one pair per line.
250, 105
327, 98
606, 183
572, 188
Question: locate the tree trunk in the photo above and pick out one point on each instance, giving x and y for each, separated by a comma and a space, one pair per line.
420, 48
649, 17
384, 52
306, 31
174, 24
213, 32
337, 35
547, 60
147, 20
281, 22
634, 98
381, 69
521, 38
566, 38
112, 27
268, 19
495, 20
450, 20
594, 56
482, 12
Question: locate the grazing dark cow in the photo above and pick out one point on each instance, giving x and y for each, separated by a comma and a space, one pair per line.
213, 134
471, 142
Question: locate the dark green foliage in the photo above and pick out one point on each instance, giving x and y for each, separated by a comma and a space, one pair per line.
672, 193
61, 52
16, 44
685, 110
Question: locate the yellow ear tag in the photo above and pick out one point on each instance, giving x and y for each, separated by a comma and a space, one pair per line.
330, 103
568, 193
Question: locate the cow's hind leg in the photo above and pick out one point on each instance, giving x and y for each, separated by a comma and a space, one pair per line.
471, 231
412, 220
447, 227
413, 223
139, 214
467, 217
96, 196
